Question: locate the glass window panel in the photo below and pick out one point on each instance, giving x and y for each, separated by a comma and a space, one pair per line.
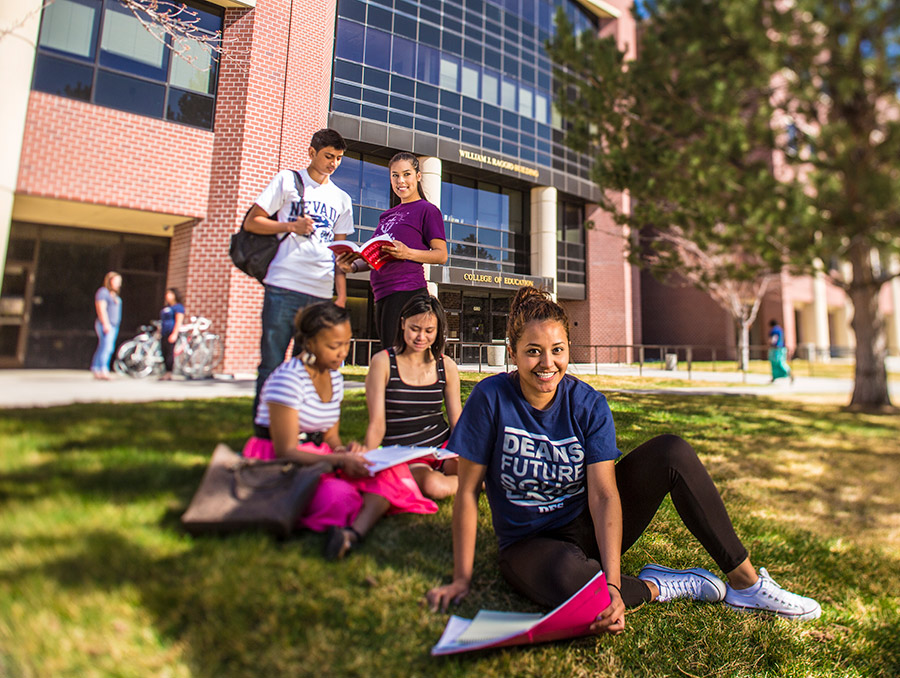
490, 88
472, 50
490, 143
471, 106
451, 42
404, 27
492, 113
492, 57
369, 217
464, 206
450, 100
470, 80
375, 186
403, 60
381, 18
429, 126
378, 49
526, 99
464, 233
70, 26
348, 175
449, 131
352, 9
342, 106
372, 96
376, 78
342, 89
193, 66
373, 113
458, 250
400, 119
129, 94
514, 204
428, 65
426, 110
126, 44
429, 35
347, 71
508, 95
190, 108
487, 236
541, 109
403, 86
449, 73
402, 104
427, 92
63, 77
349, 41
490, 209
473, 138
449, 117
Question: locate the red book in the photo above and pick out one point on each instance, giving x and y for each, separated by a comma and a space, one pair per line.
370, 250
492, 629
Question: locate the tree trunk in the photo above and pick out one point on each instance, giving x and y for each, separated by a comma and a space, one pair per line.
870, 389
744, 344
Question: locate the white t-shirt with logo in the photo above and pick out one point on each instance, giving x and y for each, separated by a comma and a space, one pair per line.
304, 263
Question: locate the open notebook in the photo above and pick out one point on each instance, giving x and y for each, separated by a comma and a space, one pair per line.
499, 629
385, 457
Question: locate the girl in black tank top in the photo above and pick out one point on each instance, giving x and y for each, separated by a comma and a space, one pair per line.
407, 388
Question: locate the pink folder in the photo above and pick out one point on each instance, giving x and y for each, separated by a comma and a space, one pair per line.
492, 629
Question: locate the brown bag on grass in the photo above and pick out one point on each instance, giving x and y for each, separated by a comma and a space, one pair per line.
245, 494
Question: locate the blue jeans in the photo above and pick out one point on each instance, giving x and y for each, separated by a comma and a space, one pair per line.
280, 306
105, 347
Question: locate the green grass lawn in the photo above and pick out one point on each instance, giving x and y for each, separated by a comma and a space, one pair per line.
97, 578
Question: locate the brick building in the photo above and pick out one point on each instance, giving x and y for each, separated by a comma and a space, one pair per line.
134, 162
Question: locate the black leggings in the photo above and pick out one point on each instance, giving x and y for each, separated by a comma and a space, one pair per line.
168, 351
387, 314
551, 566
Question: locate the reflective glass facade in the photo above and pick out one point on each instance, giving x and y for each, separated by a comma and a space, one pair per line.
470, 71
98, 51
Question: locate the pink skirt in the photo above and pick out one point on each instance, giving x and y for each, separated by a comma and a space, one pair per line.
338, 499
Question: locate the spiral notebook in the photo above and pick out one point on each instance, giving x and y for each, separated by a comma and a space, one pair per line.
491, 629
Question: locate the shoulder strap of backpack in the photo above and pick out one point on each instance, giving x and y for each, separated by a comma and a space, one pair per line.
298, 182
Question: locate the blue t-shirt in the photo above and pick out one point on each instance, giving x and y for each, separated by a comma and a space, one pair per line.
167, 318
536, 459
113, 305
776, 337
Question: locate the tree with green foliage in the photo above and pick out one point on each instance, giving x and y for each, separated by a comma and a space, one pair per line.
770, 139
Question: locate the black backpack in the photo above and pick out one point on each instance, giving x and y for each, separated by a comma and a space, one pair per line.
253, 252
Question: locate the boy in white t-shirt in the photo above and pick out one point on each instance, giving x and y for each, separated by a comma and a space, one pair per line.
303, 271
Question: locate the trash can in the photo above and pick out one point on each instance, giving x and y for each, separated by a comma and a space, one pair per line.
671, 361
495, 355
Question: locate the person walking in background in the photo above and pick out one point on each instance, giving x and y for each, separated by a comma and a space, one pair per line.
417, 229
170, 319
778, 353
108, 305
303, 271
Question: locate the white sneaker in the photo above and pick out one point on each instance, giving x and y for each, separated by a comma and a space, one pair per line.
695, 583
767, 596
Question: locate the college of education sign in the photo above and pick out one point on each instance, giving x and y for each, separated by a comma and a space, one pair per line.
497, 162
451, 275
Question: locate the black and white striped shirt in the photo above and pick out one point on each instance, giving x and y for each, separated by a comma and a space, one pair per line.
413, 414
290, 385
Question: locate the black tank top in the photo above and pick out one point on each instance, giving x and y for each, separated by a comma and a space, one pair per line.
413, 414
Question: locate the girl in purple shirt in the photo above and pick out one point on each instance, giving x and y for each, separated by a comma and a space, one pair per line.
417, 230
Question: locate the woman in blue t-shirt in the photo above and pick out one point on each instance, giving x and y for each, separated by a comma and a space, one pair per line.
544, 445
170, 319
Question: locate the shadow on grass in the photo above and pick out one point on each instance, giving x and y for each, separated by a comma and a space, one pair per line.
249, 605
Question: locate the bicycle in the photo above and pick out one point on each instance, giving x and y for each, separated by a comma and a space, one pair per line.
197, 352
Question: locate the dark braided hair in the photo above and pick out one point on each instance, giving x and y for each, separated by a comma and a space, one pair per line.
532, 304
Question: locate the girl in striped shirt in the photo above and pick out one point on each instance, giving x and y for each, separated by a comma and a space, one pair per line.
406, 388
301, 401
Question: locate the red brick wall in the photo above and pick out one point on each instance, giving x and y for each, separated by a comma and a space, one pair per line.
606, 316
268, 106
77, 151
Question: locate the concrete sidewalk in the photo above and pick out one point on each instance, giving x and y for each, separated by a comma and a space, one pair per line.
44, 388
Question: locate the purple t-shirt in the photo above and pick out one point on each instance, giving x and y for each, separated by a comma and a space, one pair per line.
415, 224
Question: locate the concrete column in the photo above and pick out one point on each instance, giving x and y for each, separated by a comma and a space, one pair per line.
17, 49
431, 169
820, 311
543, 231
